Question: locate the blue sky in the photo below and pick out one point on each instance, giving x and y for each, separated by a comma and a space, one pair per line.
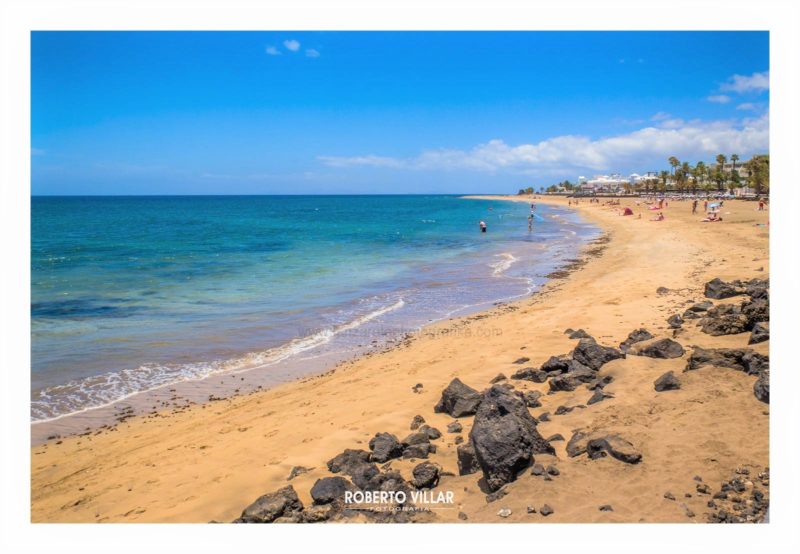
400, 112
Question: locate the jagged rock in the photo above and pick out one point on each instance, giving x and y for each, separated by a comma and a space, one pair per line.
593, 355
522, 360
732, 324
760, 333
571, 380
498, 378
544, 416
668, 381
432, 432
530, 374
755, 363
553, 470
756, 311
417, 437
675, 321
269, 507
694, 311
561, 410
580, 334
597, 445
363, 475
598, 396
504, 436
426, 475
348, 461
467, 461
421, 450
458, 399
531, 398
557, 364
555, 438
719, 357
719, 289
458, 440
454, 427
663, 349
615, 446
416, 422
761, 386
638, 335
546, 510
606, 508
385, 446
329, 489
537, 469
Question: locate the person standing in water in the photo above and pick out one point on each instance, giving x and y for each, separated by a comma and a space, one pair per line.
530, 222
483, 226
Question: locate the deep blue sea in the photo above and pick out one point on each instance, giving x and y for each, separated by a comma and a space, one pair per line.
134, 293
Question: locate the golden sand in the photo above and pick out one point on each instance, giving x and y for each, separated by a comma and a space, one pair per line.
212, 460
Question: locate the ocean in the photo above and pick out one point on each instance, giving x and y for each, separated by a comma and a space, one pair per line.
133, 294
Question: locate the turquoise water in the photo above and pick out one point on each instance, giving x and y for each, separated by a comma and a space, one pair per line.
132, 293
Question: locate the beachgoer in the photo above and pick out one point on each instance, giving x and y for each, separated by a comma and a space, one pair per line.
694, 207
530, 222
761, 205
483, 226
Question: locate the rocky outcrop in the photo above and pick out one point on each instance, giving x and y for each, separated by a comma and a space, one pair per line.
598, 445
663, 349
426, 475
675, 321
269, 507
330, 489
731, 324
504, 437
458, 399
638, 335
593, 355
385, 446
697, 310
719, 289
348, 461
530, 374
741, 359
760, 333
666, 382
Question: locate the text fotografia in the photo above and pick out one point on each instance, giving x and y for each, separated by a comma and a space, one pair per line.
394, 500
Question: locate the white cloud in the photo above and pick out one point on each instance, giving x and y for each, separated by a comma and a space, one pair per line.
660, 116
312, 53
719, 98
272, 51
747, 106
291, 45
566, 153
757, 82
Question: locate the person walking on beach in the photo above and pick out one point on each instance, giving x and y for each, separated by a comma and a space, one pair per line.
483, 226
694, 207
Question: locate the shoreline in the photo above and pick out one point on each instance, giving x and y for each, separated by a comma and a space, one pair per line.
178, 395
209, 461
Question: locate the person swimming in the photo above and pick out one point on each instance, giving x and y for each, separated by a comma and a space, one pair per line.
483, 226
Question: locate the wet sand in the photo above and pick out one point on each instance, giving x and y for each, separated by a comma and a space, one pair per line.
207, 462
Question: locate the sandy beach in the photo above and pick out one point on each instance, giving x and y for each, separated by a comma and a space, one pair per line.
209, 461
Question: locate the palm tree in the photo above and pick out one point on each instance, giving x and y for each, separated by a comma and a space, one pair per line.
674, 162
699, 173
734, 159
720, 176
664, 177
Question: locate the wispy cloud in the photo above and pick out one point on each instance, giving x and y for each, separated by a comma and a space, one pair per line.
660, 116
312, 53
747, 106
291, 45
692, 139
273, 51
719, 98
757, 82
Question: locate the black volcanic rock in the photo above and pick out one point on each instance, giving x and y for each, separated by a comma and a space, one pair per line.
458, 399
